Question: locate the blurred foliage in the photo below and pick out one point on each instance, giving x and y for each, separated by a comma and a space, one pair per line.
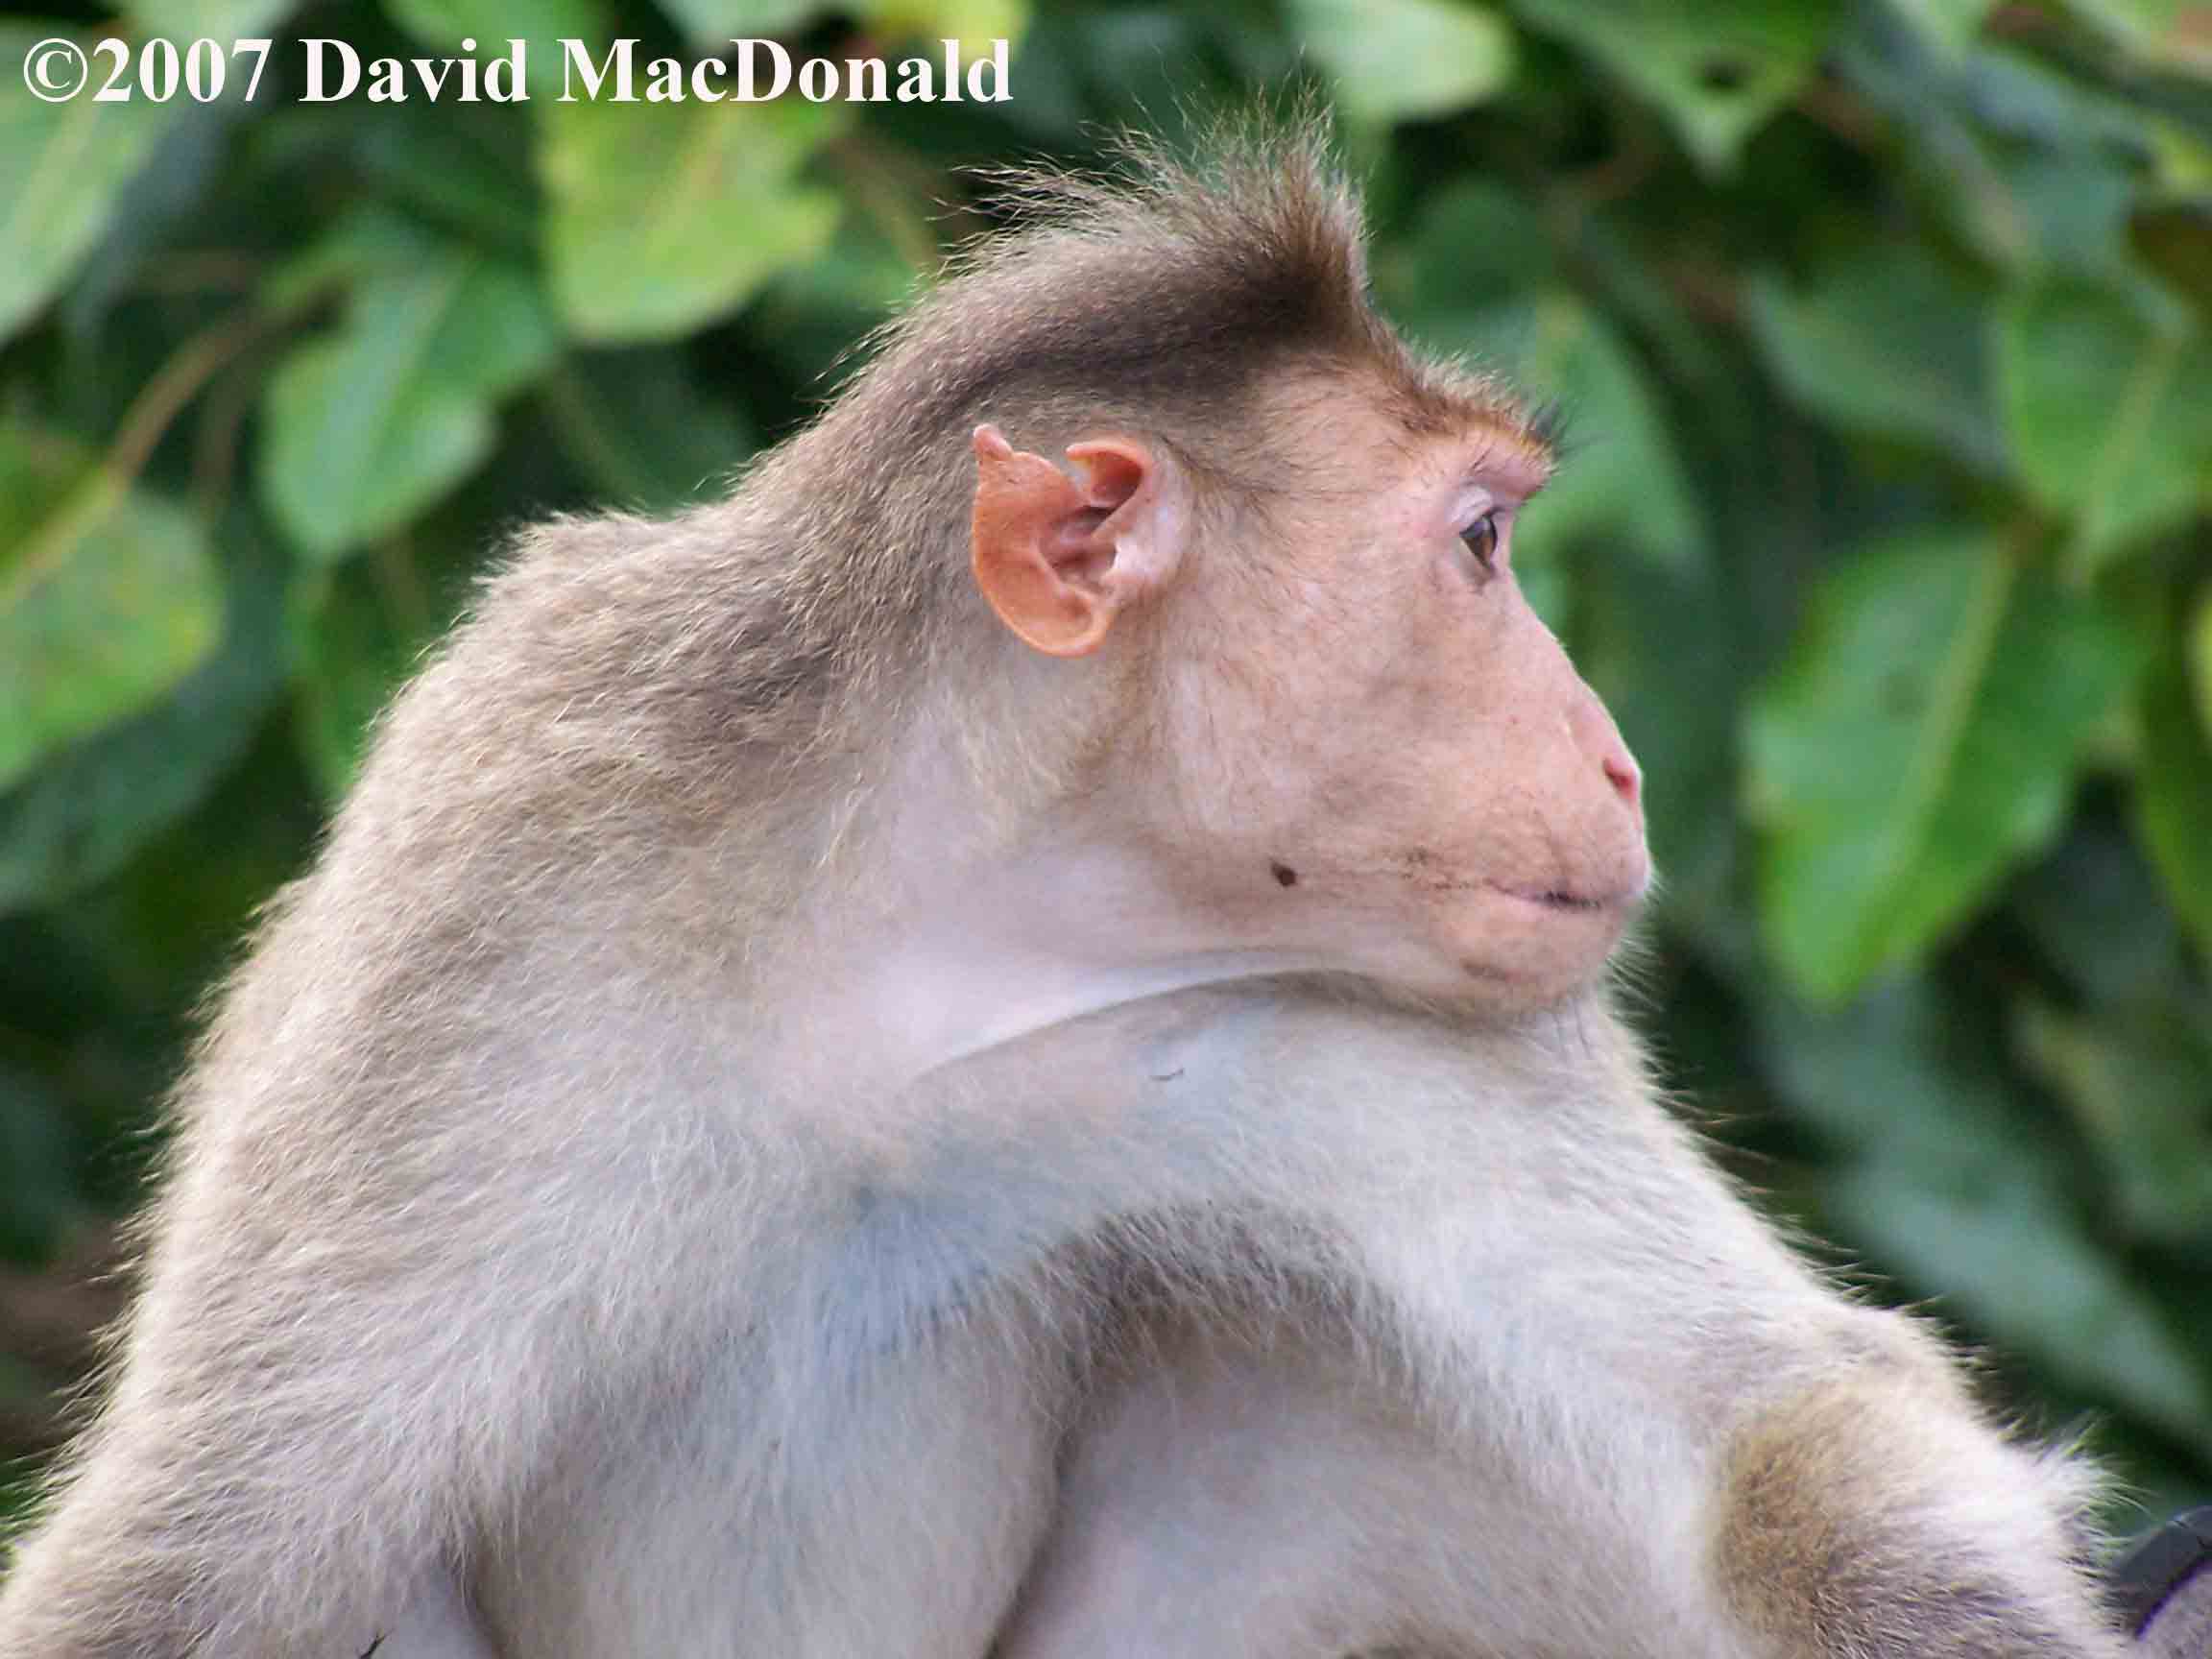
1884, 333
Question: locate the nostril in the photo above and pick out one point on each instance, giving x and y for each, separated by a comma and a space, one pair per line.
1622, 773
1592, 732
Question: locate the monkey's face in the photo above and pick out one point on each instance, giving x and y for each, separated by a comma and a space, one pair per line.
1358, 747
1379, 749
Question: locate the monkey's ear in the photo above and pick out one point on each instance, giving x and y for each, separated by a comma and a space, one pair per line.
1058, 558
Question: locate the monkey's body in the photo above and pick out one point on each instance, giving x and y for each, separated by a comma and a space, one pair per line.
1286, 1429
1196, 1411
785, 1124
1272, 1490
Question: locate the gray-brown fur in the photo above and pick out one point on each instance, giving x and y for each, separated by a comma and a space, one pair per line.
1822, 1542
542, 1268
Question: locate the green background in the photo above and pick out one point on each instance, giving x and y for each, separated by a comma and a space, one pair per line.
1884, 333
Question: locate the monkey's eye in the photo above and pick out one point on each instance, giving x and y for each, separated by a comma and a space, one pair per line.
1480, 540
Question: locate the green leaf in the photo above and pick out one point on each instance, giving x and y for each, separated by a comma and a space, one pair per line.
1659, 645
63, 169
636, 422
367, 242
2035, 168
442, 25
2072, 207
365, 427
2108, 414
2141, 1090
807, 315
710, 22
38, 1188
2161, 34
975, 23
1950, 26
82, 815
2096, 910
2011, 1258
2028, 210
1622, 485
358, 630
1939, 1179
2197, 658
665, 217
107, 596
219, 20
2025, 96
1888, 1078
2174, 794
1469, 252
1404, 59
2173, 242
1717, 69
1923, 737
1887, 341
452, 174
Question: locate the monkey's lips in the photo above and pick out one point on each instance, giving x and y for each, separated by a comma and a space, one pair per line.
1570, 901
1575, 901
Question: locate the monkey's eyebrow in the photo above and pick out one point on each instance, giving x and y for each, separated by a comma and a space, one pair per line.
1510, 456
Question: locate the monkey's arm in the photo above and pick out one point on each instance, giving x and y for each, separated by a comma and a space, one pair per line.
296, 1442
1634, 1424
623, 1420
1234, 1503
862, 1485
1818, 1468
1868, 1509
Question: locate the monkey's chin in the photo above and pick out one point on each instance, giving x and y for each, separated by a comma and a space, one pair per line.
1526, 950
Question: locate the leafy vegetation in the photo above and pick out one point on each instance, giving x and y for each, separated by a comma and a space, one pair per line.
1885, 332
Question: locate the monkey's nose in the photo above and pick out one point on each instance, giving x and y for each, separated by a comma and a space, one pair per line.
1591, 730
1625, 777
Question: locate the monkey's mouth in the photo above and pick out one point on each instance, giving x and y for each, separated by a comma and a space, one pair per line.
1560, 901
1567, 901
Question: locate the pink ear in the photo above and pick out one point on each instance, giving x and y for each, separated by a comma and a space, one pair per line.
1043, 547
1112, 469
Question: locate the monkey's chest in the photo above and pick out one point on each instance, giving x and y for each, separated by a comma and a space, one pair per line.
1268, 1493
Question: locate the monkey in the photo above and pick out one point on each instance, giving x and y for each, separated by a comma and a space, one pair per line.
1005, 1042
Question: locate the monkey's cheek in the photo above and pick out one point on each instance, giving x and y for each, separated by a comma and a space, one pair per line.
1511, 950
1635, 884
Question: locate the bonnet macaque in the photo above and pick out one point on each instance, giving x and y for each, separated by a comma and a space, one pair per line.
1000, 1046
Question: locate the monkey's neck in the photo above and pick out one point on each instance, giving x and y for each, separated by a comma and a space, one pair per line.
981, 956
970, 938
954, 936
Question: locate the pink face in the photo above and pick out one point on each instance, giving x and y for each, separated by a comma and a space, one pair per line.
1360, 748
1373, 729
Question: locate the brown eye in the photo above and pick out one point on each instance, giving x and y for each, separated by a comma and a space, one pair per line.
1480, 540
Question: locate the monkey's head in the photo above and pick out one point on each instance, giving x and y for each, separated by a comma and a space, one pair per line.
1237, 597
1342, 729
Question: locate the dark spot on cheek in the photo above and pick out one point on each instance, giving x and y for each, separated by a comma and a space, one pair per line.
1285, 876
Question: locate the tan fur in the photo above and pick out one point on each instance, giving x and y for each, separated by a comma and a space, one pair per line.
783, 1123
1827, 1501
